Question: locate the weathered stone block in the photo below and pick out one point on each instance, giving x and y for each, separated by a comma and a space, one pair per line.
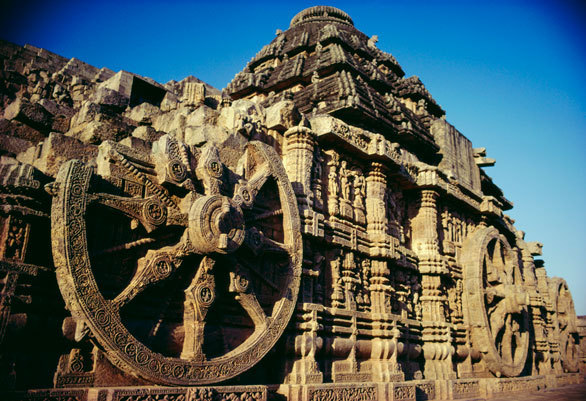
199, 135
137, 89
31, 114
112, 98
12, 146
146, 133
282, 116
203, 115
169, 102
55, 150
194, 93
143, 113
19, 130
56, 108
100, 130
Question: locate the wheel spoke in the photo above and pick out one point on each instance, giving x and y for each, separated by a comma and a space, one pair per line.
125, 247
257, 242
272, 246
149, 212
241, 285
210, 170
261, 276
259, 178
265, 215
251, 305
199, 296
507, 340
155, 267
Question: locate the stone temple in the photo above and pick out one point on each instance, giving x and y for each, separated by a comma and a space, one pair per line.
315, 231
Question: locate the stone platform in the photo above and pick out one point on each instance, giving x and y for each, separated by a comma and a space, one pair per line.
527, 388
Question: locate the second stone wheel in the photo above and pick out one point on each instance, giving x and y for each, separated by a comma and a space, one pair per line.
190, 278
495, 303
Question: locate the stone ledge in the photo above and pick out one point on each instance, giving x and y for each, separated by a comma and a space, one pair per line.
416, 390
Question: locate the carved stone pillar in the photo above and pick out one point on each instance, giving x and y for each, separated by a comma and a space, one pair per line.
306, 345
298, 161
349, 280
437, 337
376, 217
333, 183
380, 288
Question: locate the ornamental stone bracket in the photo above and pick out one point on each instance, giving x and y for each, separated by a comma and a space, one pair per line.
361, 143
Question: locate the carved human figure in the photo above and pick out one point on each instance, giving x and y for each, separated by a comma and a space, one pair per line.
459, 289
366, 281
316, 179
333, 183
349, 279
337, 294
421, 106
314, 77
359, 189
391, 205
345, 180
415, 289
318, 264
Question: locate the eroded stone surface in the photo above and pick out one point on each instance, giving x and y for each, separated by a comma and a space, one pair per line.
318, 224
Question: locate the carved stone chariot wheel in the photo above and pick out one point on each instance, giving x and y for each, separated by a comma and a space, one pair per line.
496, 306
565, 325
185, 264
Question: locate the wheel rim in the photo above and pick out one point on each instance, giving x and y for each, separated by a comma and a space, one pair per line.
565, 325
497, 308
248, 260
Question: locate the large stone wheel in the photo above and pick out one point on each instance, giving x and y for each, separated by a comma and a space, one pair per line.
565, 324
495, 302
193, 280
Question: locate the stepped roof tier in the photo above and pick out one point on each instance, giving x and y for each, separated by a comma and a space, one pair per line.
326, 65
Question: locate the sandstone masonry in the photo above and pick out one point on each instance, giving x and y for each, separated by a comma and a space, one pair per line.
315, 231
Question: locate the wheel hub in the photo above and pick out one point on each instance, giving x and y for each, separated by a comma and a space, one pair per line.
216, 225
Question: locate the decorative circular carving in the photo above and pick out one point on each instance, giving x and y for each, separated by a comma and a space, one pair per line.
177, 171
193, 257
565, 324
77, 365
243, 196
495, 302
162, 266
214, 168
154, 212
205, 295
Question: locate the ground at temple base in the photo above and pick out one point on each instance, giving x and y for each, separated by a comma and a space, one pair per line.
574, 392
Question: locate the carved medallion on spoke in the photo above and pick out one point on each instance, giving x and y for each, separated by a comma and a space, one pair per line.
194, 281
496, 302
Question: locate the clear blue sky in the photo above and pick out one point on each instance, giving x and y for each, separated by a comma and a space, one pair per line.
510, 75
